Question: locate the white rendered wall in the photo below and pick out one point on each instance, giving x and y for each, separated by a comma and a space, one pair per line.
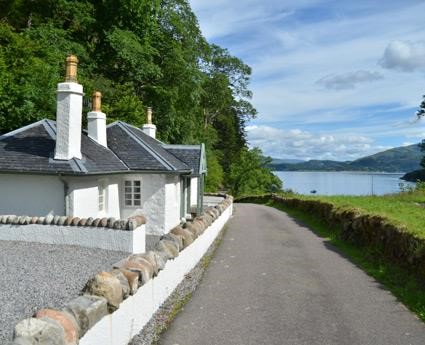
172, 202
193, 191
135, 312
68, 120
104, 238
153, 201
31, 195
84, 197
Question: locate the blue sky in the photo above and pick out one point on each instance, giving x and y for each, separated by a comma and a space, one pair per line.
332, 79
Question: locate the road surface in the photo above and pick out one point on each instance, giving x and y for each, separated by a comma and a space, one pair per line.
273, 281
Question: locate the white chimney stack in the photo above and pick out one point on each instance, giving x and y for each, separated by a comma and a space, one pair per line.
69, 114
96, 123
148, 127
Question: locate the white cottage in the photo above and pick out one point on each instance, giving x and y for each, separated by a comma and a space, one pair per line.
58, 168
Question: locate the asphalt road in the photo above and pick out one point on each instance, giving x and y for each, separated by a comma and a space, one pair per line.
274, 281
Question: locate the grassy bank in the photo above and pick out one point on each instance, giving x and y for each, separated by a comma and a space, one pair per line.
406, 209
405, 281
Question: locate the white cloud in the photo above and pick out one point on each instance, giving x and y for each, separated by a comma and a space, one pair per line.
306, 145
348, 80
404, 56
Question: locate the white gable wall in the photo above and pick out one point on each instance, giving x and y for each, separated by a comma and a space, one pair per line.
83, 197
172, 202
31, 195
152, 204
194, 191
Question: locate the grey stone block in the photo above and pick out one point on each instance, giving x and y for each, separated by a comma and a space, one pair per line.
43, 331
87, 310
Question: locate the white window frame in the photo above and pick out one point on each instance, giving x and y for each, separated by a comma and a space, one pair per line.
132, 192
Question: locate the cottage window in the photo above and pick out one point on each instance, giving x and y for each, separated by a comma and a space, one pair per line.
101, 197
132, 193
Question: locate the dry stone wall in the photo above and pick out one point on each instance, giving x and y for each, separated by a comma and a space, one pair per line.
104, 293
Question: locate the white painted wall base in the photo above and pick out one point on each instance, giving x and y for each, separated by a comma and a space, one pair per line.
135, 312
103, 238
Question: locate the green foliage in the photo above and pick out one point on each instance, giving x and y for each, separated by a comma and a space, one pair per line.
214, 179
138, 53
249, 174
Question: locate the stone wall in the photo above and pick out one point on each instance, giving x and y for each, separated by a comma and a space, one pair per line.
116, 305
357, 226
105, 233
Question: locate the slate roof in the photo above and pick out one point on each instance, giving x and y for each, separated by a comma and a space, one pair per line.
189, 154
31, 149
140, 151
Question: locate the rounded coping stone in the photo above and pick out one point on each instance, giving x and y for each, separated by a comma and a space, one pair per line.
143, 259
140, 220
46, 331
62, 220
132, 224
103, 223
82, 222
87, 310
117, 225
96, 222
56, 220
132, 279
123, 224
40, 220
66, 320
123, 281
168, 247
104, 284
48, 219
89, 221
111, 221
144, 269
68, 221
3, 219
75, 221
177, 240
150, 257
187, 236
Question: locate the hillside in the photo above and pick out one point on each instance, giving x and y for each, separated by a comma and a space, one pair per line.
399, 159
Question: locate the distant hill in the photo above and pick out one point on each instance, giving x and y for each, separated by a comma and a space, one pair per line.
286, 161
399, 159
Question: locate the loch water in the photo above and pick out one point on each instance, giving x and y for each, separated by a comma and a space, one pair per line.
341, 182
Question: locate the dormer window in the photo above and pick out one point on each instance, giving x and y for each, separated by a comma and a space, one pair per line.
132, 193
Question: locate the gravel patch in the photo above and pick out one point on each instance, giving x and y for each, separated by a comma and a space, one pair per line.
159, 322
35, 276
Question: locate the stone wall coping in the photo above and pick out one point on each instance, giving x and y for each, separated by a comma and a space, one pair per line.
103, 293
130, 224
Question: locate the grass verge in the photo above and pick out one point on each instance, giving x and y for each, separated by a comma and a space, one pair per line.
404, 285
407, 208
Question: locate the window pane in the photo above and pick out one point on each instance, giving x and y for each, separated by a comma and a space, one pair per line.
136, 202
128, 196
136, 189
128, 202
137, 183
137, 196
128, 189
128, 183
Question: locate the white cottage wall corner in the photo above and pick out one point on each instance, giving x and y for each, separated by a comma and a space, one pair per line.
153, 201
193, 191
83, 199
31, 195
172, 202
